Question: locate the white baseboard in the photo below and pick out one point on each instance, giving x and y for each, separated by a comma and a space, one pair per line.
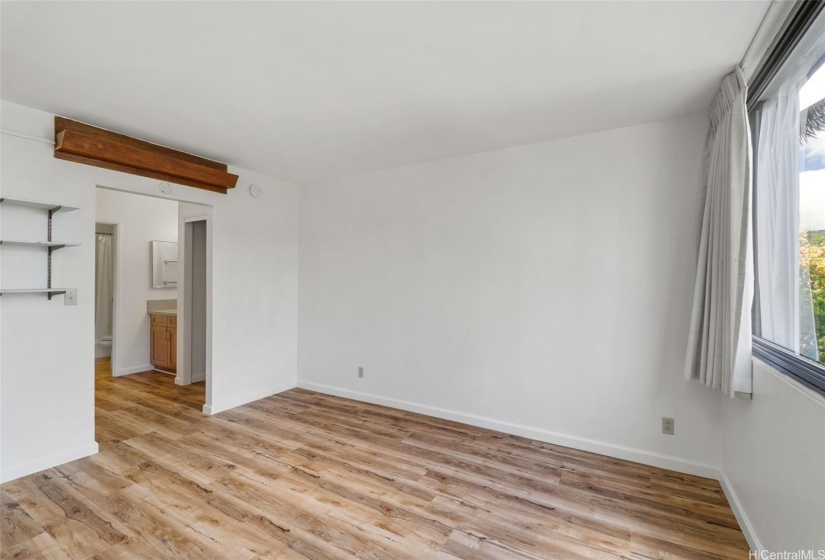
195, 379
739, 511
48, 462
603, 448
134, 369
214, 408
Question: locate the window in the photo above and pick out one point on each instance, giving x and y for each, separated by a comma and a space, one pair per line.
788, 134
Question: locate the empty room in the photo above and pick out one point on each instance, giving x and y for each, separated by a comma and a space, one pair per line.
494, 280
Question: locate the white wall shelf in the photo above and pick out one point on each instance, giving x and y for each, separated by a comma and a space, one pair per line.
50, 245
41, 205
52, 291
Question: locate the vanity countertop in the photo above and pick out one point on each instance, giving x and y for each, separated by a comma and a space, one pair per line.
167, 312
168, 307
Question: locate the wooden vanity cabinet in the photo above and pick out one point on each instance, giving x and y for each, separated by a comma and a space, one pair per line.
164, 345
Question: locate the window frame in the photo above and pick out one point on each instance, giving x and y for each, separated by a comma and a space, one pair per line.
799, 368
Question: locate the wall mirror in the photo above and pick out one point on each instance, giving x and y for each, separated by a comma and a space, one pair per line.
164, 264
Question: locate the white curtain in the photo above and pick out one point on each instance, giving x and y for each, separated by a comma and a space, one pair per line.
719, 343
104, 285
777, 218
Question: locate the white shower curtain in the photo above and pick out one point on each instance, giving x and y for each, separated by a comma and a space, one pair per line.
104, 285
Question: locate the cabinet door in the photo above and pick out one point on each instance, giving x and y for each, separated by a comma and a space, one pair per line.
160, 346
173, 348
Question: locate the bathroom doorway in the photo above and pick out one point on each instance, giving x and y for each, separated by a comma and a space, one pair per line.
154, 329
105, 254
144, 253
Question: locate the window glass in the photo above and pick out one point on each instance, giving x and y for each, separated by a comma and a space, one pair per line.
788, 129
812, 217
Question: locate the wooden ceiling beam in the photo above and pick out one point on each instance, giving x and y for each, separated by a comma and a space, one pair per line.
89, 145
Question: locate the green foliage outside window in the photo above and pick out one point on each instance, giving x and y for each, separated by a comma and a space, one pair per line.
812, 277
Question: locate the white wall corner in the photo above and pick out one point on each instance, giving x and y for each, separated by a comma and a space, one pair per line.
594, 446
215, 408
133, 369
739, 511
195, 378
48, 462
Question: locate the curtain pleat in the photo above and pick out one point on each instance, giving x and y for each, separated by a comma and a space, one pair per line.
719, 343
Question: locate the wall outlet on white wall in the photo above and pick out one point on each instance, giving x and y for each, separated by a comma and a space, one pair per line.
668, 426
71, 297
360, 372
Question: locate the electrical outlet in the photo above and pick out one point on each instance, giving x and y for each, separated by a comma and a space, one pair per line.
668, 426
361, 372
71, 297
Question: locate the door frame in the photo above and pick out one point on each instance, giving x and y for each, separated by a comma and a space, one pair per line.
184, 342
204, 212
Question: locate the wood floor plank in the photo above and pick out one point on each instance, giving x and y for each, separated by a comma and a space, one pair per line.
302, 475
17, 525
41, 547
307, 519
544, 537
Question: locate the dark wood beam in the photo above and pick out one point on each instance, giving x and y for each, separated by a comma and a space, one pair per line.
89, 145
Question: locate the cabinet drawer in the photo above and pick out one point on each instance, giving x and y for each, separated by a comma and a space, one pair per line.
172, 321
160, 320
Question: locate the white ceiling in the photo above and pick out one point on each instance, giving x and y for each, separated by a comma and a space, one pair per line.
307, 91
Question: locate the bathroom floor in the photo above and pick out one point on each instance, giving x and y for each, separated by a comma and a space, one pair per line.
114, 394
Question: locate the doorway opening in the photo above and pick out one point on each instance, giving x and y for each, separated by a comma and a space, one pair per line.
194, 300
105, 246
148, 326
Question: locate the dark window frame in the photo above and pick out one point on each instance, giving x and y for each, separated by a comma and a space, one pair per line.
798, 22
802, 370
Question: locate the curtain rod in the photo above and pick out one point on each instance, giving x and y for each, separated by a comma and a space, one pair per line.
765, 33
798, 22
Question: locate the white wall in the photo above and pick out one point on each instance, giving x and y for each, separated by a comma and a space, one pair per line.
542, 290
141, 220
46, 349
773, 462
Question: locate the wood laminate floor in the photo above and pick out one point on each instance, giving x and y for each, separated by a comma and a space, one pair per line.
304, 475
